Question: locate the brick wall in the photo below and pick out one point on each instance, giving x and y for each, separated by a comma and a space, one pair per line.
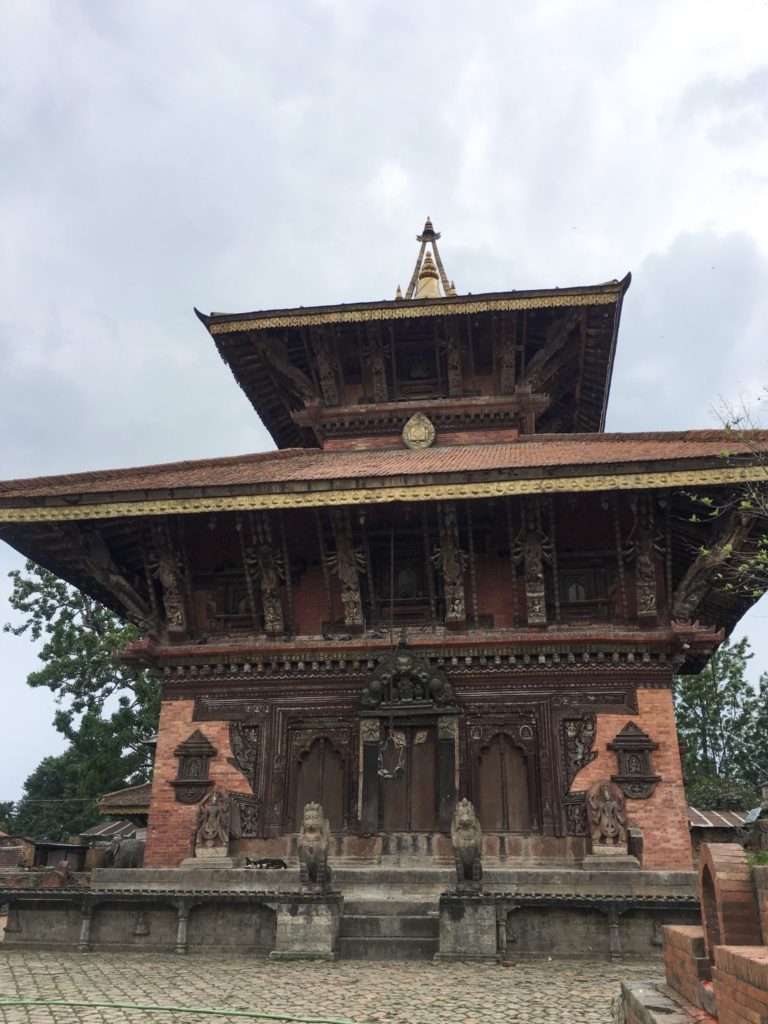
741, 984
686, 963
760, 876
663, 816
171, 829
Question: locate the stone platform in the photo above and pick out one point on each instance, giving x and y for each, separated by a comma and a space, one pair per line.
381, 913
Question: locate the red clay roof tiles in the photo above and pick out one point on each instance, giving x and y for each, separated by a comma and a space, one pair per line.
548, 452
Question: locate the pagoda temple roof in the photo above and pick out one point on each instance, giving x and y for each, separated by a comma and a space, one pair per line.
272, 356
295, 477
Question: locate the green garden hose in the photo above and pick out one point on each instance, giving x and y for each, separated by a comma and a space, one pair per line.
249, 1014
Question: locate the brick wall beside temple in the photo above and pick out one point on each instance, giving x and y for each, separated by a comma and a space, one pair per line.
663, 817
171, 828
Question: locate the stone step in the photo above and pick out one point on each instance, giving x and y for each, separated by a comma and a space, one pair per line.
387, 948
353, 926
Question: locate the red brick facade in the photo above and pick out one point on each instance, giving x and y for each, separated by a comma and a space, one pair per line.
663, 817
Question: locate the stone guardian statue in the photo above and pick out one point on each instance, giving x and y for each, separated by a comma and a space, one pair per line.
467, 839
314, 840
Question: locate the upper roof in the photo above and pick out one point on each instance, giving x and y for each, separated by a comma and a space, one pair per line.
559, 342
311, 477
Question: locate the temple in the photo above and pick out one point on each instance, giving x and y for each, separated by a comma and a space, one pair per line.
448, 581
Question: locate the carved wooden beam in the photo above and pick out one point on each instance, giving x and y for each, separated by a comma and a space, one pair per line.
701, 575
348, 563
539, 368
450, 559
325, 358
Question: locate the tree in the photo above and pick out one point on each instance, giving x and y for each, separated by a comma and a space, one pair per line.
723, 724
106, 709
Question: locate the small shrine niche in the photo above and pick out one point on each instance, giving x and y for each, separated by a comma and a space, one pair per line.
192, 779
635, 776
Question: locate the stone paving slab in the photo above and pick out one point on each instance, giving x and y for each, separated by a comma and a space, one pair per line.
529, 992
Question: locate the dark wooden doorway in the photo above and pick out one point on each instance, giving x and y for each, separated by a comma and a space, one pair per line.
318, 777
409, 803
502, 788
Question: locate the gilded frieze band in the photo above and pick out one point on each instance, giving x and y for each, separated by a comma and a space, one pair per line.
410, 310
384, 495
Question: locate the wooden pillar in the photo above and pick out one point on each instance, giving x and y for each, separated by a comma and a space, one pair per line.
370, 738
447, 737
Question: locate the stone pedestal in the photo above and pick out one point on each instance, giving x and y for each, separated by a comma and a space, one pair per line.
617, 860
216, 857
307, 928
468, 929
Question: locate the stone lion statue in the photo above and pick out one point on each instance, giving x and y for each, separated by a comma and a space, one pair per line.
467, 839
314, 840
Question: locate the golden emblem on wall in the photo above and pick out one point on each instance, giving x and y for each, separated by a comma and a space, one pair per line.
418, 432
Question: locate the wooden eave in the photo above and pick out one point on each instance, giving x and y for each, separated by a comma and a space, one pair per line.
367, 489
580, 389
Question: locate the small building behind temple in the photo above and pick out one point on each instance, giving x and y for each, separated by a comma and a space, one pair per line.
447, 581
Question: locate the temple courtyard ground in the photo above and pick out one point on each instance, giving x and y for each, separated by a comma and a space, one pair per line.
391, 993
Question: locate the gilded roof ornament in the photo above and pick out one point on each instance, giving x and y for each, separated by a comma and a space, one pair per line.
418, 432
429, 273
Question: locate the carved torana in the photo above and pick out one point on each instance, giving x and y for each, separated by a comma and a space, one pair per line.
405, 679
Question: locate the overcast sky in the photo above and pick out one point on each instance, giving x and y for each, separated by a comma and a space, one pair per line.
164, 154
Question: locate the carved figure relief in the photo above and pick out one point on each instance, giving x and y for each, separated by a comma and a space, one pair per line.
213, 823
166, 566
326, 366
578, 735
245, 816
644, 546
467, 841
405, 678
347, 562
451, 561
531, 548
506, 353
265, 563
576, 814
375, 353
192, 780
453, 357
635, 775
314, 841
607, 816
245, 743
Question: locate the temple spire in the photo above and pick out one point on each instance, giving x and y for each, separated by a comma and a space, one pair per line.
429, 274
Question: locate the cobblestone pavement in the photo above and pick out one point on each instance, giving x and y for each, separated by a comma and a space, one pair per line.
368, 993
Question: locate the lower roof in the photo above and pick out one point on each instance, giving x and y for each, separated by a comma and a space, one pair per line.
299, 477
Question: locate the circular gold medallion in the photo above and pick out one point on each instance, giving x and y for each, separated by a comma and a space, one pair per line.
418, 432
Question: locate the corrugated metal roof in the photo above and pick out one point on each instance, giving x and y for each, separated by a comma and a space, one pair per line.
715, 819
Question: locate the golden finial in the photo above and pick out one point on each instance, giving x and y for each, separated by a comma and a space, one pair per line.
398, 295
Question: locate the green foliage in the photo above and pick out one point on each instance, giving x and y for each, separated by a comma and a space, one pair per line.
105, 708
756, 859
723, 724
6, 815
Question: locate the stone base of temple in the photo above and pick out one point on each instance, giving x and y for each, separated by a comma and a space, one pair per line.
386, 912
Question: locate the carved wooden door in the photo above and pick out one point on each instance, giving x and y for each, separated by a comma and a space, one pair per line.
409, 803
502, 787
318, 776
